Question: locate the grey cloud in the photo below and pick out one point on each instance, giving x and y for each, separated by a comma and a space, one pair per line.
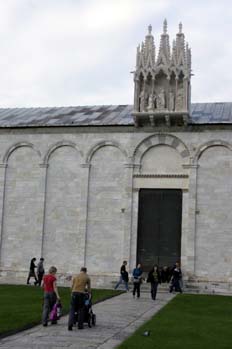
81, 52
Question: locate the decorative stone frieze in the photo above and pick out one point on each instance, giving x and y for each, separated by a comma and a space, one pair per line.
164, 175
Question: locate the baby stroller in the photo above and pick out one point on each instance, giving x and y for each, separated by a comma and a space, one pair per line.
89, 316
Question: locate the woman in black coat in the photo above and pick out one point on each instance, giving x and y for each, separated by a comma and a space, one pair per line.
154, 279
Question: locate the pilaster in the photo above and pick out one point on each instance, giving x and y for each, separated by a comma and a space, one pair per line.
127, 212
191, 232
44, 173
86, 167
134, 218
3, 169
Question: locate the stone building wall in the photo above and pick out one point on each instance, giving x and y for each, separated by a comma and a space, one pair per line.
214, 219
71, 195
63, 209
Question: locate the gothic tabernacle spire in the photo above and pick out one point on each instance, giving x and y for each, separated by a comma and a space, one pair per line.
162, 84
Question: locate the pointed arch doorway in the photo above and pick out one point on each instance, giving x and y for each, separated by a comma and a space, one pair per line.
159, 227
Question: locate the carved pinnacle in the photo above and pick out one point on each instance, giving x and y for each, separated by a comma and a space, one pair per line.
165, 26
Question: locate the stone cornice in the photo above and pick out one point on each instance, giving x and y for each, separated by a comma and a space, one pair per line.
160, 175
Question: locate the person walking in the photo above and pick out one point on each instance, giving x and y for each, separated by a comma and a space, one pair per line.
137, 279
51, 294
79, 284
176, 279
40, 270
123, 277
154, 279
32, 272
165, 274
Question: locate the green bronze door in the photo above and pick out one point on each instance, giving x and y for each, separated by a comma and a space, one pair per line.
159, 227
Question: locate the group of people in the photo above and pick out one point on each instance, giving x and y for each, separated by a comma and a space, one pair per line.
37, 275
155, 277
80, 285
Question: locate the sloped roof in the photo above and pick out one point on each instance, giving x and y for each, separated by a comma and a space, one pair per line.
103, 115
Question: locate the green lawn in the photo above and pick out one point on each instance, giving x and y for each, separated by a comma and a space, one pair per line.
187, 322
21, 306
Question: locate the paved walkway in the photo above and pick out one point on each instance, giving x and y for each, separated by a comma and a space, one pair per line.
117, 318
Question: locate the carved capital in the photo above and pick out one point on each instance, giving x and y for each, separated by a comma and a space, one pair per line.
87, 165
137, 166
3, 165
187, 166
129, 165
43, 165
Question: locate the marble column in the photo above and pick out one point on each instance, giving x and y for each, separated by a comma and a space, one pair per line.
3, 169
44, 170
127, 212
84, 208
191, 232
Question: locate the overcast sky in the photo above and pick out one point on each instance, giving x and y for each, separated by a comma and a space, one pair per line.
81, 52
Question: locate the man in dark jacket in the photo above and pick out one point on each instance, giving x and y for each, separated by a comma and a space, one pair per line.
176, 279
123, 276
40, 271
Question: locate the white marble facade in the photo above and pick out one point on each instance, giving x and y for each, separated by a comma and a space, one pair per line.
70, 194
73, 199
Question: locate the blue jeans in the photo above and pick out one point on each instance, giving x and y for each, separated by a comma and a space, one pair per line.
176, 285
49, 301
122, 281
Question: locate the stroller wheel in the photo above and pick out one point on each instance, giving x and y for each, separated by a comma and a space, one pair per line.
94, 320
